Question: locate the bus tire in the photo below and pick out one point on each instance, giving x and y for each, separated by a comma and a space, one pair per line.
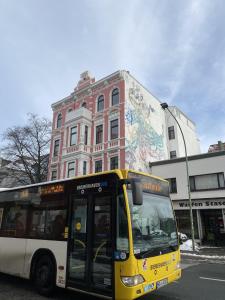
45, 275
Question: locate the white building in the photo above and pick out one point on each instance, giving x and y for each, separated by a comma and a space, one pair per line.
207, 193
174, 138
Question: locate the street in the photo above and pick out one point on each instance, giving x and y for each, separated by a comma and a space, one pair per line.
203, 280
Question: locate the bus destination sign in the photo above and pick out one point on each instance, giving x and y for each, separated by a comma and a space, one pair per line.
52, 189
151, 184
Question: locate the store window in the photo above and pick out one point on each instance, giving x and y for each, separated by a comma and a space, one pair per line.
183, 222
207, 182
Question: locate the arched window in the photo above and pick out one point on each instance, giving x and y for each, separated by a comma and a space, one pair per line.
115, 96
59, 121
84, 104
100, 104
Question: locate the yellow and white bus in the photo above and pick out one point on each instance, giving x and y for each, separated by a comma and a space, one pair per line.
110, 234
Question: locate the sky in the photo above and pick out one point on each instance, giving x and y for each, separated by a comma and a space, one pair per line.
175, 48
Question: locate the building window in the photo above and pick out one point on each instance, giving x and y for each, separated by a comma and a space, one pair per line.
100, 104
71, 169
98, 166
59, 121
173, 154
84, 104
171, 133
54, 175
56, 148
114, 163
84, 167
115, 96
207, 182
73, 136
99, 134
85, 135
173, 185
114, 129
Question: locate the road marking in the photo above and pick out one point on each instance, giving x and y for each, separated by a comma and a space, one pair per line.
222, 280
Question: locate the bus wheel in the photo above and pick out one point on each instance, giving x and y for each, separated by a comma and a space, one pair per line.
45, 275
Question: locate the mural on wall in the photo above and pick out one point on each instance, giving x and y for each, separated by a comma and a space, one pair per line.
144, 131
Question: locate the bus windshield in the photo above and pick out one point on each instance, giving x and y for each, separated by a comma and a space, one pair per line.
153, 226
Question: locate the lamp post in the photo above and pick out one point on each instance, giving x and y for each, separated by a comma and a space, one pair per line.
164, 107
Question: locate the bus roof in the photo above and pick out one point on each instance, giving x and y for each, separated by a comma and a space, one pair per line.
122, 173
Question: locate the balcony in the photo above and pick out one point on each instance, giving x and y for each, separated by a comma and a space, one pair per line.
79, 113
98, 148
76, 148
113, 143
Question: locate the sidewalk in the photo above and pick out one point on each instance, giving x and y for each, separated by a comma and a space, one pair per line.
204, 252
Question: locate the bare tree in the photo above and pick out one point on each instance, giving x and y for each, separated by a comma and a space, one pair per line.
27, 147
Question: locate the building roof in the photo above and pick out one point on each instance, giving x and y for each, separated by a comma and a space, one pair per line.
192, 157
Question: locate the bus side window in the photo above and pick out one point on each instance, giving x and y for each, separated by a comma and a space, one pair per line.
55, 226
14, 221
37, 226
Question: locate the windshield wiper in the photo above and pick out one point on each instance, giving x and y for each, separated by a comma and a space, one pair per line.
158, 251
173, 247
152, 251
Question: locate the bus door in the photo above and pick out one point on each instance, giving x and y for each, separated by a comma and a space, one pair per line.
90, 247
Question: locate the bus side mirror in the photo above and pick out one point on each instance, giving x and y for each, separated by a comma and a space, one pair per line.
137, 191
136, 188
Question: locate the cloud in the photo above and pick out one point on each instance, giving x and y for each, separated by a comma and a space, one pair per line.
175, 48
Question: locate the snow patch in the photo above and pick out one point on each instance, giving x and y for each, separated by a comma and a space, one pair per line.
205, 256
187, 246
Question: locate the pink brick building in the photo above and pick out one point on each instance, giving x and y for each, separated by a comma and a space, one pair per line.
111, 123
88, 128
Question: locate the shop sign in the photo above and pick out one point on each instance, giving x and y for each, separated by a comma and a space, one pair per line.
200, 204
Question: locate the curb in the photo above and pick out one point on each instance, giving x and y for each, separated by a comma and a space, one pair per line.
202, 256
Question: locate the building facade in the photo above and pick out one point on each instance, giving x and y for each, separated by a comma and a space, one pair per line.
220, 146
112, 123
207, 193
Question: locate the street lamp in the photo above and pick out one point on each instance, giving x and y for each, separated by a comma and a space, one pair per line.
164, 107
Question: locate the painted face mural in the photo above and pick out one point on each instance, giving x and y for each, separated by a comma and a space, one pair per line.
144, 132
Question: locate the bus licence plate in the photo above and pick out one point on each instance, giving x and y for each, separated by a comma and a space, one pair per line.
161, 283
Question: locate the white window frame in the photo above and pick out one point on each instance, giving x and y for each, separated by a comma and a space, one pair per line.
67, 169
110, 103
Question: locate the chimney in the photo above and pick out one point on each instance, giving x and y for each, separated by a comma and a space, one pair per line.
85, 80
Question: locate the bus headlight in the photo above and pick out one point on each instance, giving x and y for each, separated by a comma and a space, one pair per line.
132, 280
